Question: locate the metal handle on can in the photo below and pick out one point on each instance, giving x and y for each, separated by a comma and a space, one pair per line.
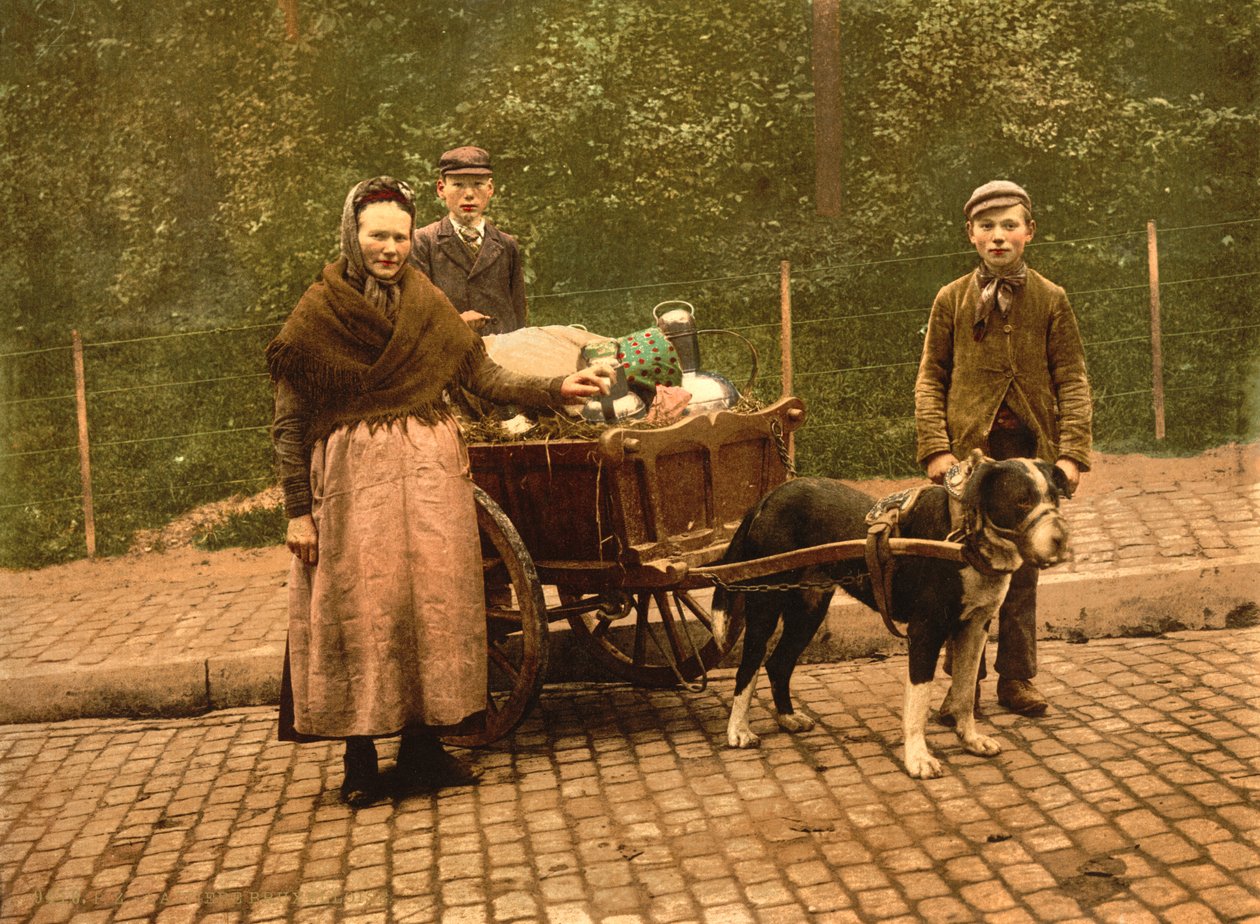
673, 301
752, 350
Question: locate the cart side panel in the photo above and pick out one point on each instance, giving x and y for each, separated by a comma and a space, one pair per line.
554, 493
684, 480
683, 489
744, 473
638, 496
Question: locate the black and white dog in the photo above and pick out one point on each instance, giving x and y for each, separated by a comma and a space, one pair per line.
1007, 513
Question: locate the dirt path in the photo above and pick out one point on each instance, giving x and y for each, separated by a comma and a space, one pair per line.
1233, 463
179, 560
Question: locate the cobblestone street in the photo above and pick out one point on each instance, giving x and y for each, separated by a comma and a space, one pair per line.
1132, 800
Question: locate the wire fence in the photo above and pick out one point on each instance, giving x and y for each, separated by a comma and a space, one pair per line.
178, 419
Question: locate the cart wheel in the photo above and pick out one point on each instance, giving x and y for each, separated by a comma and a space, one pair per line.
516, 625
659, 639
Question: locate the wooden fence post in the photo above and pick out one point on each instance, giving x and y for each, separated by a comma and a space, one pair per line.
85, 463
1157, 345
785, 340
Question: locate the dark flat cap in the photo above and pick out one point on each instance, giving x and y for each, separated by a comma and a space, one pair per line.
996, 194
467, 159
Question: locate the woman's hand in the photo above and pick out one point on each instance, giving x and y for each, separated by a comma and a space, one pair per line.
302, 539
593, 380
938, 466
481, 323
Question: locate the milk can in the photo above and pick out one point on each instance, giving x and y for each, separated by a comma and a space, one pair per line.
709, 391
679, 326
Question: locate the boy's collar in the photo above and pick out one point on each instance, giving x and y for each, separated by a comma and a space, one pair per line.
479, 226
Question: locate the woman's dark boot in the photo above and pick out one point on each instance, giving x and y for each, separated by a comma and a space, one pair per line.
361, 785
424, 765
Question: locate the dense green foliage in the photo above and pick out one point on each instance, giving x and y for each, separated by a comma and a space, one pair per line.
177, 167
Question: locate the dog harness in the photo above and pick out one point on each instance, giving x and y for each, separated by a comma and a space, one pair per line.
883, 522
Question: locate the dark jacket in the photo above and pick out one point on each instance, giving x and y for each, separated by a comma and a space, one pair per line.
1032, 358
494, 284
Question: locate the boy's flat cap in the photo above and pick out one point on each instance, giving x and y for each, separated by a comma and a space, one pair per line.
467, 159
996, 194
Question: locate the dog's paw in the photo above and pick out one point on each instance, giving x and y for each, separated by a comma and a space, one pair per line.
794, 722
982, 745
921, 765
742, 738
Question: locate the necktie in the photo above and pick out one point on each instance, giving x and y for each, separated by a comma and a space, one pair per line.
471, 238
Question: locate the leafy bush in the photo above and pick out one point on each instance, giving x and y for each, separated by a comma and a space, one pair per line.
636, 143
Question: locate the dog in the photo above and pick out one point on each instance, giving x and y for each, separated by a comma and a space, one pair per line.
1005, 514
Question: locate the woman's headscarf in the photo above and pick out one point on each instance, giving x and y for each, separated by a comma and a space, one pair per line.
378, 292
364, 350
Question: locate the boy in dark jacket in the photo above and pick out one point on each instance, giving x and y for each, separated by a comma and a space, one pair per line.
1003, 370
477, 266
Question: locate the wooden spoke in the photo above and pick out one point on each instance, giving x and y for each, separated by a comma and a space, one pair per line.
631, 647
516, 651
695, 609
671, 627
503, 663
512, 618
641, 630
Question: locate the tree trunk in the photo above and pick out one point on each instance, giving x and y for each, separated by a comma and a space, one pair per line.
290, 10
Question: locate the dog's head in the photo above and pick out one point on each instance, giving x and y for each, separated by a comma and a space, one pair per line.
1011, 514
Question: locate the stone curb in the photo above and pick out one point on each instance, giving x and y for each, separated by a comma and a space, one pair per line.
1120, 602
173, 688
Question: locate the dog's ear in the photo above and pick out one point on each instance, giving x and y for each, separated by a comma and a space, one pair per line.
981, 470
986, 551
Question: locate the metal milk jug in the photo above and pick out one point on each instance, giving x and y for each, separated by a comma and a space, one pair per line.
679, 327
709, 391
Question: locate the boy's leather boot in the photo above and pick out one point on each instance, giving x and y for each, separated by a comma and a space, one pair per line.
1020, 697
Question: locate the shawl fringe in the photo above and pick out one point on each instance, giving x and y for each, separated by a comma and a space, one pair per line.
428, 413
308, 373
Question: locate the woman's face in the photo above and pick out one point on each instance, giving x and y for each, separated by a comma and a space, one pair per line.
384, 238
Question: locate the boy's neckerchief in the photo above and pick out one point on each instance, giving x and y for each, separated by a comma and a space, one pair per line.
996, 290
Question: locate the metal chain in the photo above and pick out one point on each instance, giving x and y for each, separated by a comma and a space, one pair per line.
776, 430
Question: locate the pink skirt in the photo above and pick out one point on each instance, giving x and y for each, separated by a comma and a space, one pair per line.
388, 629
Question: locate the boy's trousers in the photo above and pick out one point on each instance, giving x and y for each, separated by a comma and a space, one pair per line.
1017, 619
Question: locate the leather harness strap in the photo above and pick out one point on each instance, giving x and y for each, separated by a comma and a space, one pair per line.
879, 562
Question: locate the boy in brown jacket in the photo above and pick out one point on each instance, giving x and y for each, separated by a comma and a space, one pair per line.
1003, 370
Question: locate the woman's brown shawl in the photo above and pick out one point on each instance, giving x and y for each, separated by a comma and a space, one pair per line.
354, 365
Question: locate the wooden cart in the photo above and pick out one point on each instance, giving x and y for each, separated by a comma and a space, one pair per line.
615, 526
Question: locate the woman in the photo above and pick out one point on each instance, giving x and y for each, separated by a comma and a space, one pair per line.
387, 630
